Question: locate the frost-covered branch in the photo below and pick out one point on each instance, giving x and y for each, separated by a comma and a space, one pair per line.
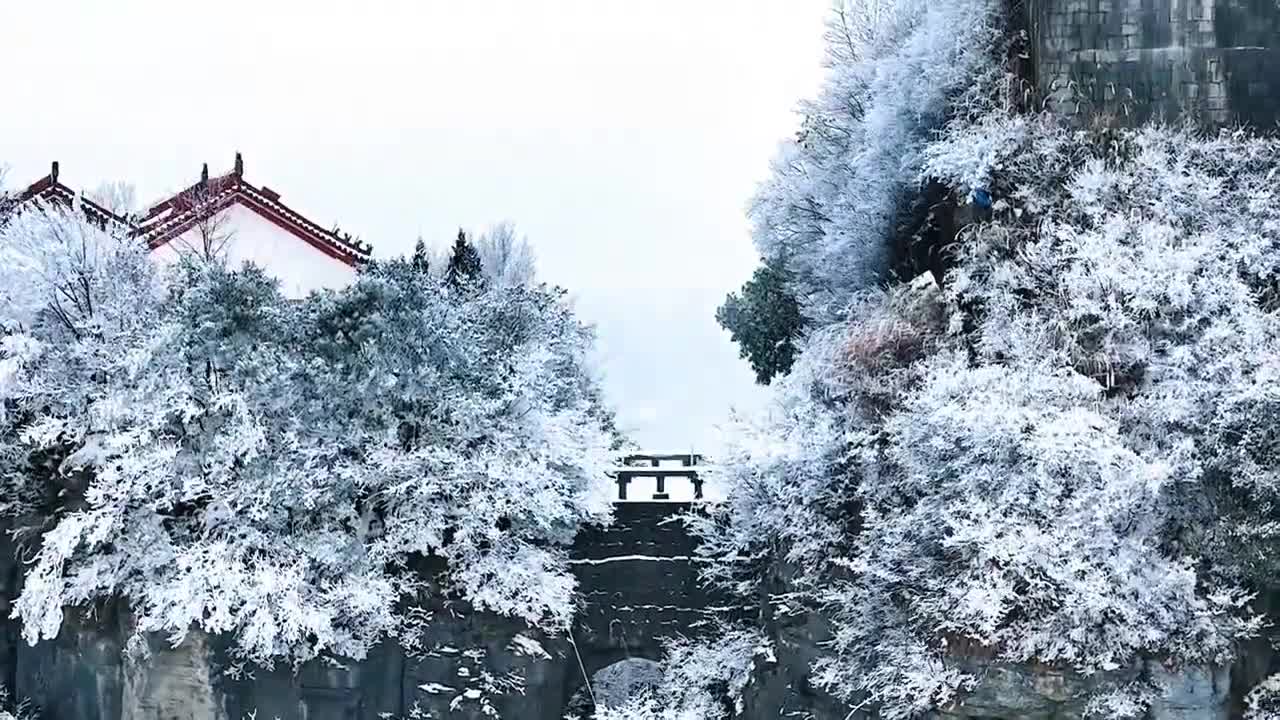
702, 680
1263, 701
9, 710
898, 71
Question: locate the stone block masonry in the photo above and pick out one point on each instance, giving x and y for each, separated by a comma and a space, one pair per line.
1125, 62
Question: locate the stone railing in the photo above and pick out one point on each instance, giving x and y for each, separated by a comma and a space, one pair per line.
661, 469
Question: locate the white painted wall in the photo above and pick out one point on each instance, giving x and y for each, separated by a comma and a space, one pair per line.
300, 267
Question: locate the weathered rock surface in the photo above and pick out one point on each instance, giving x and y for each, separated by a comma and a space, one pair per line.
164, 682
1028, 692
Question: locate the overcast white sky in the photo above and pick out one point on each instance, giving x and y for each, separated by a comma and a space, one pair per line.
624, 138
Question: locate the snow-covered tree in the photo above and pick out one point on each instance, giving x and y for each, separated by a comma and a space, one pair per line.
421, 257
897, 69
221, 458
6, 196
117, 196
465, 268
1065, 457
77, 304
1066, 453
507, 259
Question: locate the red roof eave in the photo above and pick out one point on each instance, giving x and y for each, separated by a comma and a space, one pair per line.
48, 188
272, 210
175, 215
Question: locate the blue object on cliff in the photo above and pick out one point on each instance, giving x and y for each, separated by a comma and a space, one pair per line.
982, 198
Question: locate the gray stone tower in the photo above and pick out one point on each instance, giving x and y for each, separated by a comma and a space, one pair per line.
1216, 62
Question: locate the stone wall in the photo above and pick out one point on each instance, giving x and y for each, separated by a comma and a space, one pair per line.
637, 580
1215, 62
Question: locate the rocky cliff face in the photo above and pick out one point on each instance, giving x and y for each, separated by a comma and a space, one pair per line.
472, 668
470, 665
163, 682
465, 665
1005, 691
783, 688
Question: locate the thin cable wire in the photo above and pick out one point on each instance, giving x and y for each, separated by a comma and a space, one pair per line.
582, 668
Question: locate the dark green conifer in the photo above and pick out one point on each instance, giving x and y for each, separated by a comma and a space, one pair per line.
464, 265
765, 321
420, 261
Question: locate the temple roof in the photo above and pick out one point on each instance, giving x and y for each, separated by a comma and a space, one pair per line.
178, 213
49, 189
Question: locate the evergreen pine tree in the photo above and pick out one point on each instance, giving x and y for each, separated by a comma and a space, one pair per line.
464, 265
420, 261
765, 321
